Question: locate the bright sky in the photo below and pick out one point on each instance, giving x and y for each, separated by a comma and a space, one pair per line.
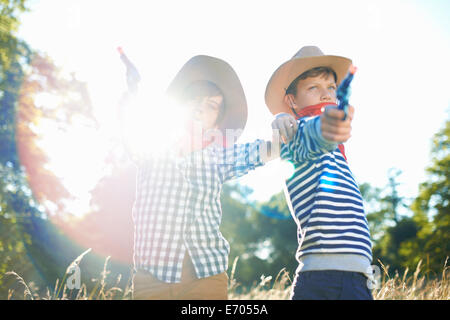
400, 91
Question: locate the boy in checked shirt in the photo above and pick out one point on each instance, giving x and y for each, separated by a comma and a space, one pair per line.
179, 251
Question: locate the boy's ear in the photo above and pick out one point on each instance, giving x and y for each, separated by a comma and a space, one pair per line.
289, 100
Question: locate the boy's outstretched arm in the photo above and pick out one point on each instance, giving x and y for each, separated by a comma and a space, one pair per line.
124, 126
125, 104
239, 159
310, 139
269, 150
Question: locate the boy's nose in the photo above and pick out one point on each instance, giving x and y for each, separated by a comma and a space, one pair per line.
198, 112
197, 109
325, 95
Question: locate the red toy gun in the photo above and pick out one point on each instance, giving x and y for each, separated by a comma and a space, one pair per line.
133, 76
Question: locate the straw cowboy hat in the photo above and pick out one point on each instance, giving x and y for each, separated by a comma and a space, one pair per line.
306, 58
219, 72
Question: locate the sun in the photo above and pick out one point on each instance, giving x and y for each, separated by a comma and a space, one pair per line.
152, 125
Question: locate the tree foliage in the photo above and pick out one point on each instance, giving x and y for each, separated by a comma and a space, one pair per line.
11, 48
432, 206
14, 194
67, 99
264, 244
401, 241
29, 243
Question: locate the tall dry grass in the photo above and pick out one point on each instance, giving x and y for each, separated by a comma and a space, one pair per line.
102, 290
414, 286
406, 287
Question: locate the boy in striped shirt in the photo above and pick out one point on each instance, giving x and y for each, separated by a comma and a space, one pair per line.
334, 251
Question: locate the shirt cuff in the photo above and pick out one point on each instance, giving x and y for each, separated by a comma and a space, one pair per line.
255, 158
329, 145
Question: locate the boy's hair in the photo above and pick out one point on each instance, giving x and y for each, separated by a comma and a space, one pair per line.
314, 72
205, 88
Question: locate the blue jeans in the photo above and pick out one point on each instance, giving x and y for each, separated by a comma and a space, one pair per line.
330, 285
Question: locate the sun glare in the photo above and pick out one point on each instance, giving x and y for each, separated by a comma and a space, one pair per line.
76, 157
153, 124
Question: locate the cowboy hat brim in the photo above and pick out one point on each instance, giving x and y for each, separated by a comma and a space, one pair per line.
290, 70
219, 72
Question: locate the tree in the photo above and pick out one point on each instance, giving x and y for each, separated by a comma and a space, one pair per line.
277, 228
388, 228
108, 227
239, 231
71, 101
262, 235
402, 241
29, 243
50, 249
11, 47
376, 213
432, 206
14, 194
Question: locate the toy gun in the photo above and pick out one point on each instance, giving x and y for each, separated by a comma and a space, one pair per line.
343, 92
133, 76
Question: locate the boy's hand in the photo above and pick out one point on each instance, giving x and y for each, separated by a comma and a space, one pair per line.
286, 125
333, 127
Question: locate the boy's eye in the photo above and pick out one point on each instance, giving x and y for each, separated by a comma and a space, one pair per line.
332, 87
313, 87
194, 102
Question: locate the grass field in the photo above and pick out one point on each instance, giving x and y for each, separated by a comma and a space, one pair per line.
408, 286
413, 286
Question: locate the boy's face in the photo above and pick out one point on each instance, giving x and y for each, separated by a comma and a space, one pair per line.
312, 91
206, 110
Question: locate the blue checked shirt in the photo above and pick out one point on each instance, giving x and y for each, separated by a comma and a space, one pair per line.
177, 209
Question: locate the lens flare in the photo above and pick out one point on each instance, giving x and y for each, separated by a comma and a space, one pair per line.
287, 169
153, 126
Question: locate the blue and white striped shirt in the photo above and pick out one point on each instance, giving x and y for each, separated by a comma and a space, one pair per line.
325, 201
